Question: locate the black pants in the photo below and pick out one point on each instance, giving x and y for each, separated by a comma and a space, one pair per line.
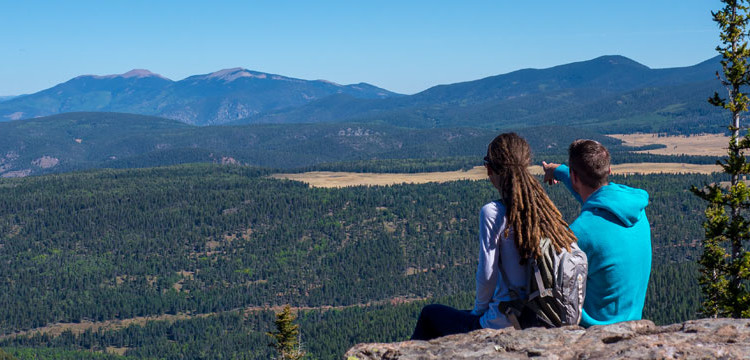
440, 320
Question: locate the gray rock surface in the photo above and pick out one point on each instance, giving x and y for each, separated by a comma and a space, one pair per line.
698, 339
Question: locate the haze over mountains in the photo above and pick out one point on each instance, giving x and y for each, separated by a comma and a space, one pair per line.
607, 94
215, 98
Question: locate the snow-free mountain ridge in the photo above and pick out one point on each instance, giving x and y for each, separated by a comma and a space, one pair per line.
216, 98
135, 73
609, 94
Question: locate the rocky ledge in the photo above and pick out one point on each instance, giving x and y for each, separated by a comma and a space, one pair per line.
698, 339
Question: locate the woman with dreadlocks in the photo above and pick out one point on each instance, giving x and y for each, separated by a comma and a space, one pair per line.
509, 233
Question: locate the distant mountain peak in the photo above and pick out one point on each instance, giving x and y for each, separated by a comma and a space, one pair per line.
329, 82
229, 75
233, 74
618, 60
135, 73
140, 73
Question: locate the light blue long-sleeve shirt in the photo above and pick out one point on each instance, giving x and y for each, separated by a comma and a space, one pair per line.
495, 251
614, 232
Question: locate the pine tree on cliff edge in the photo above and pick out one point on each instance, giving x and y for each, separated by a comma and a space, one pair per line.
725, 264
286, 336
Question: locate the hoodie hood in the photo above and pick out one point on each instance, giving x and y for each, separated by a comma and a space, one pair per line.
624, 202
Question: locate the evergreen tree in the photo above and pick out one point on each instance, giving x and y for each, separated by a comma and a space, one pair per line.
5, 356
725, 263
286, 336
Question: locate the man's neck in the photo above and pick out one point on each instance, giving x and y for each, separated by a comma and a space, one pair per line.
585, 191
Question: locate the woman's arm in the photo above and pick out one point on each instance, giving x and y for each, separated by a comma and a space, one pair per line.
491, 225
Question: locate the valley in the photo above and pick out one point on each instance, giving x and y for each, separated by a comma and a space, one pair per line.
328, 157
176, 228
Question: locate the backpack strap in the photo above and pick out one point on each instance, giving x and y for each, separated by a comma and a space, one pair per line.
512, 311
542, 290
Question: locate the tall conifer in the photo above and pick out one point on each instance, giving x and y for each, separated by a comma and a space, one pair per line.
286, 336
725, 262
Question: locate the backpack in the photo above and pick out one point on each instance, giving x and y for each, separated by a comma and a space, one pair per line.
557, 287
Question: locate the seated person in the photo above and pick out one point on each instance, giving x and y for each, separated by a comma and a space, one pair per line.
509, 234
612, 230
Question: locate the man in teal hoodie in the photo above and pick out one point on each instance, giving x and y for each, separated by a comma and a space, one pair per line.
612, 230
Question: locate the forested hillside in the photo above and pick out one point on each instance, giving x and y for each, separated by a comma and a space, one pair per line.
226, 240
78, 141
608, 94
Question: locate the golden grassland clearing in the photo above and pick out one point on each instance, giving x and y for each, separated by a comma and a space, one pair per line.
663, 168
330, 179
116, 350
85, 325
704, 144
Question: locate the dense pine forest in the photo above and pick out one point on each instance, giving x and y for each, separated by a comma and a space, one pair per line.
220, 245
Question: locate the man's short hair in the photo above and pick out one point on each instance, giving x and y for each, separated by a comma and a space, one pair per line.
590, 161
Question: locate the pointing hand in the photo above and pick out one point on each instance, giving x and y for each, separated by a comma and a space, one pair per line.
549, 172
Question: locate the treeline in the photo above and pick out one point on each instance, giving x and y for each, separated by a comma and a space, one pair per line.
57, 353
325, 334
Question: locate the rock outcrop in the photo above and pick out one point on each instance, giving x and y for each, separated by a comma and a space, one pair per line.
698, 339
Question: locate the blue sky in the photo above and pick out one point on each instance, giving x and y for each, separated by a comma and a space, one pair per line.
403, 46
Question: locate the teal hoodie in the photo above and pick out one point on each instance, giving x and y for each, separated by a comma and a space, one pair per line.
614, 232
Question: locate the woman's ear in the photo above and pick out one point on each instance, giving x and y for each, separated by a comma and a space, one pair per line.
495, 179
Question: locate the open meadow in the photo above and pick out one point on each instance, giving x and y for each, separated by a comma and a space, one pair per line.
703, 144
331, 179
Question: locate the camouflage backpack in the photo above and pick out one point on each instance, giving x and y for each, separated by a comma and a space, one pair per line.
557, 287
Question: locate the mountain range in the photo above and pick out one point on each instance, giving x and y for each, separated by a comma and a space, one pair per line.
608, 94
216, 98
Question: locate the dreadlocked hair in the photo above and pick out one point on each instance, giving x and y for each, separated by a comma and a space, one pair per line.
530, 212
